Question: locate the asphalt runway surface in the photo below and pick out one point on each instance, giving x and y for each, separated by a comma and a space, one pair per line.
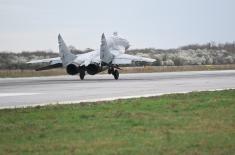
21, 92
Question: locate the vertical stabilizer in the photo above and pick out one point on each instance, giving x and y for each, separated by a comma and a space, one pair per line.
65, 54
105, 55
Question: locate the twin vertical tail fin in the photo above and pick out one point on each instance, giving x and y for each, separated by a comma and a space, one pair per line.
105, 55
66, 56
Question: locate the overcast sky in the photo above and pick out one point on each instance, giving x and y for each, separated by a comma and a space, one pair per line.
35, 24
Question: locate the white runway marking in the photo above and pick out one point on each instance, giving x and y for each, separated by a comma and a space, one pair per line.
107, 99
16, 94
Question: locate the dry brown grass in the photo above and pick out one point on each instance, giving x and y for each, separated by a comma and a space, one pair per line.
150, 69
30, 73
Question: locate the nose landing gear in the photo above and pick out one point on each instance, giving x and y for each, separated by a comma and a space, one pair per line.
82, 75
114, 72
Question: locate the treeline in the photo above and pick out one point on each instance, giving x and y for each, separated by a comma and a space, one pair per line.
195, 54
206, 54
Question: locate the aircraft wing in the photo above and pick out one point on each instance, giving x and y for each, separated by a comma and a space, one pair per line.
53, 63
49, 60
128, 59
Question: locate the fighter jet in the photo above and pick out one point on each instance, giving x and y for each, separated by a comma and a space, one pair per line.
109, 56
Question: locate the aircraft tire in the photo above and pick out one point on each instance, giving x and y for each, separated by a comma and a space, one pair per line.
82, 75
116, 74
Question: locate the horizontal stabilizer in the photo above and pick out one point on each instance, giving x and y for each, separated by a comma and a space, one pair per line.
59, 65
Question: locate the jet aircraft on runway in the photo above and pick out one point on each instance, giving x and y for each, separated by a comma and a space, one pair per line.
110, 55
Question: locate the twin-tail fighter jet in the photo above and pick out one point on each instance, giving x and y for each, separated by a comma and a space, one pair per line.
110, 55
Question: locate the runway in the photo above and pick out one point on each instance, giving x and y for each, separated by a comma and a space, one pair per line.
21, 92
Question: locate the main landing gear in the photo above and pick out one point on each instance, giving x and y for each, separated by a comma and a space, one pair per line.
114, 72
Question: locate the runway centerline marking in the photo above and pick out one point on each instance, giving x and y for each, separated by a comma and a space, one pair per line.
17, 94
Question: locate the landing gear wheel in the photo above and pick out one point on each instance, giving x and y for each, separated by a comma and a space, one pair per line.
82, 75
116, 74
110, 70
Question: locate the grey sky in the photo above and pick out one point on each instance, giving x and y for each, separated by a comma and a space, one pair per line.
35, 24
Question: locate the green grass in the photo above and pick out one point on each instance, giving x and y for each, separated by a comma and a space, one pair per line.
194, 123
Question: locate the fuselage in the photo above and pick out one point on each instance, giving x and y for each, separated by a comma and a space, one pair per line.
109, 56
91, 62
